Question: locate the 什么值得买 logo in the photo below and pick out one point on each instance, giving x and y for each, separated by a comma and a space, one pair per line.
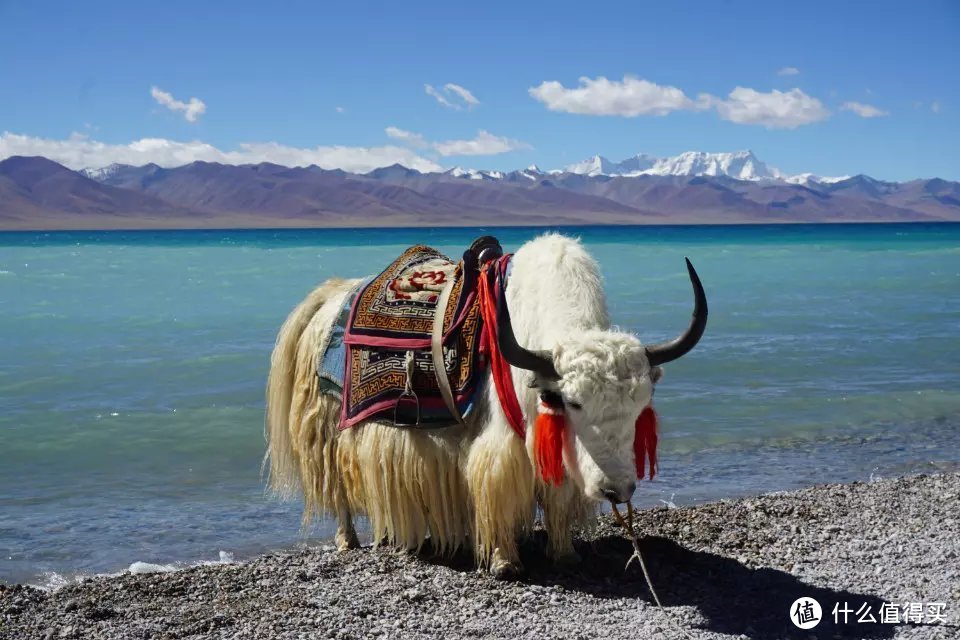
805, 613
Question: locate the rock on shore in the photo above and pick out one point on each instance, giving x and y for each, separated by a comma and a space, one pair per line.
726, 569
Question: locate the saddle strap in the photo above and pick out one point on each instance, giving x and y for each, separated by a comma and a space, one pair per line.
436, 349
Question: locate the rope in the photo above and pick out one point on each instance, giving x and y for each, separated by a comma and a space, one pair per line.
631, 534
408, 365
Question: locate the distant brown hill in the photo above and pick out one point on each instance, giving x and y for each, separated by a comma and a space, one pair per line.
391, 195
37, 193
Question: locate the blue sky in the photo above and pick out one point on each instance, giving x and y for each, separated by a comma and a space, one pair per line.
832, 88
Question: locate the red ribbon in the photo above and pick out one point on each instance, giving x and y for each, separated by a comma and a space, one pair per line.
489, 293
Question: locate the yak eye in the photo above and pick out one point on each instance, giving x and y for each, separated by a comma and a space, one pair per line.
575, 405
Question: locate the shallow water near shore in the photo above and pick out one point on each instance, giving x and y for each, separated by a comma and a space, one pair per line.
132, 367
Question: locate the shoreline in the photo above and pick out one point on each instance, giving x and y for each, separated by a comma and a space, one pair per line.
721, 569
296, 225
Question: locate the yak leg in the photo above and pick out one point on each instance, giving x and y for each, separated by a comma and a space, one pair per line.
346, 537
501, 486
561, 510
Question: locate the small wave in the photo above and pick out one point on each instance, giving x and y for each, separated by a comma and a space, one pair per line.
670, 504
53, 581
226, 557
149, 567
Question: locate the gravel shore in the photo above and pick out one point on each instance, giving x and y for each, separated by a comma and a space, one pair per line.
726, 569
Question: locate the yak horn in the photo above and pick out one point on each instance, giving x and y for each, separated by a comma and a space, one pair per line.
515, 354
658, 354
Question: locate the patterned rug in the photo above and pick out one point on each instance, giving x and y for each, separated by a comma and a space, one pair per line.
387, 341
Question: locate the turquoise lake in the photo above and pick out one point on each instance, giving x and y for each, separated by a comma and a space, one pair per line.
132, 371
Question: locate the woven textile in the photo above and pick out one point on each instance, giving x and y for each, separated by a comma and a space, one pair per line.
390, 323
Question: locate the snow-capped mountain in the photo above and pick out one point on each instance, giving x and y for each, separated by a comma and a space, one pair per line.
600, 166
690, 189
102, 173
808, 178
474, 174
739, 165
532, 172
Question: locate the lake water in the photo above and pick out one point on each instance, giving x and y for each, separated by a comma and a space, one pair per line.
132, 368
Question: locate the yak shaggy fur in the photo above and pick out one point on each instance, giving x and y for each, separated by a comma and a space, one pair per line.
473, 485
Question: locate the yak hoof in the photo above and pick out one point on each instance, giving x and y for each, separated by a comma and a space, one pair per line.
347, 540
505, 570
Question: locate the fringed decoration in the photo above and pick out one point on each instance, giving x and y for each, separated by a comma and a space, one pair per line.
645, 442
499, 367
548, 439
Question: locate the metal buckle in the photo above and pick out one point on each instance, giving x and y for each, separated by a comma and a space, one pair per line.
406, 399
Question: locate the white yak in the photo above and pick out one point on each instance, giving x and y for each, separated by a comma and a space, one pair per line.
475, 485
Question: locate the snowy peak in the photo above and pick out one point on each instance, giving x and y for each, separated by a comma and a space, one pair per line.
595, 166
473, 174
532, 172
638, 164
101, 174
812, 178
740, 165
456, 172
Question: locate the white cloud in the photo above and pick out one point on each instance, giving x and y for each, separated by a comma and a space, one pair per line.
464, 94
340, 109
935, 106
439, 97
633, 97
413, 139
484, 144
773, 110
602, 97
863, 110
788, 71
450, 93
79, 151
191, 110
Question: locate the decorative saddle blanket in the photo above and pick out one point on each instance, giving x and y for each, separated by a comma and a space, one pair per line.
380, 351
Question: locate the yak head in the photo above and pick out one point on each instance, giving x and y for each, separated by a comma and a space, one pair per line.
592, 388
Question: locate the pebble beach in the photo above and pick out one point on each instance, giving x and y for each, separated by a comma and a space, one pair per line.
728, 569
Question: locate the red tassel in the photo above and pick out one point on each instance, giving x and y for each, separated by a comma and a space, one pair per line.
645, 442
548, 440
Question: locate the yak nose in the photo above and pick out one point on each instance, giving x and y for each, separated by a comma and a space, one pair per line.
620, 496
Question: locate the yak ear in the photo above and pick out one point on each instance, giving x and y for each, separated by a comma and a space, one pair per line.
656, 374
542, 383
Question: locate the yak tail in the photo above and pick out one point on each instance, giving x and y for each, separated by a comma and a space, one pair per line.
292, 387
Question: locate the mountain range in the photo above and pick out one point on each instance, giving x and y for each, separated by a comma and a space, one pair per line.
695, 187
740, 165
